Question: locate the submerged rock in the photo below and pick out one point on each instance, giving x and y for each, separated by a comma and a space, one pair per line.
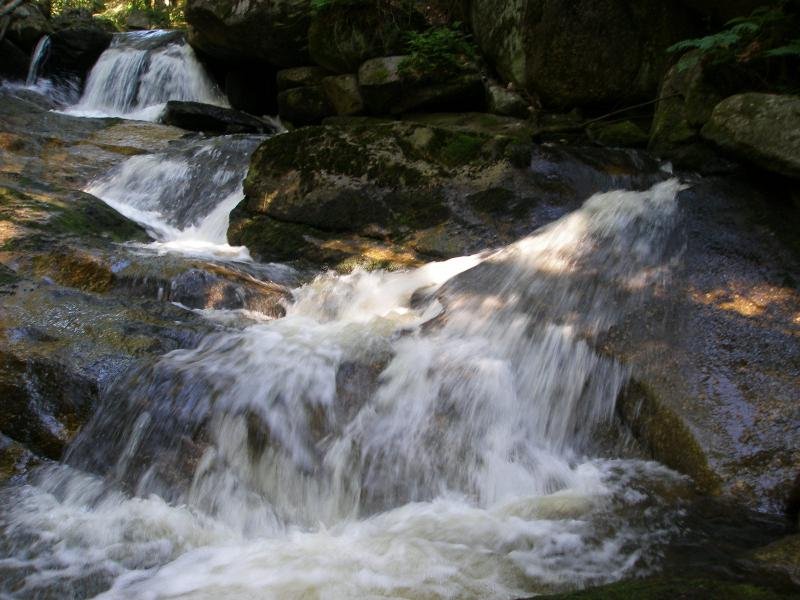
761, 129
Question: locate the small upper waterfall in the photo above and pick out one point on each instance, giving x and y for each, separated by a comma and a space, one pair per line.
38, 58
183, 196
140, 72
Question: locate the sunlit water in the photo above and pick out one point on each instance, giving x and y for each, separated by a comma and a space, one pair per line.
142, 70
428, 434
183, 196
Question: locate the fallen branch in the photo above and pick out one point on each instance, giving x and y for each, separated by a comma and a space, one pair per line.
629, 108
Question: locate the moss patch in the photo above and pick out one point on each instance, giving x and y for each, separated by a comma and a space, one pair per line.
666, 436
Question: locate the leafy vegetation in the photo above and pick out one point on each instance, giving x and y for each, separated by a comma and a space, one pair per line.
767, 32
438, 50
159, 13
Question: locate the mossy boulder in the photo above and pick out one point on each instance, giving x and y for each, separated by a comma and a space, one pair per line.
345, 178
782, 556
390, 85
271, 31
502, 101
574, 53
759, 129
300, 77
688, 97
344, 35
624, 134
304, 105
343, 94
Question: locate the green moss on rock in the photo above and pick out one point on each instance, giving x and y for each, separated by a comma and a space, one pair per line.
666, 436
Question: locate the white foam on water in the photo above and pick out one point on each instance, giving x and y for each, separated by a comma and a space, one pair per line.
140, 71
183, 197
428, 434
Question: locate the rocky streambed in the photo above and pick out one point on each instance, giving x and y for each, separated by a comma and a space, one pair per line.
210, 408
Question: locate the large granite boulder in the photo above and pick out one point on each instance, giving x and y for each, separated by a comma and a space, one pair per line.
342, 36
389, 86
761, 129
272, 31
433, 185
28, 24
584, 52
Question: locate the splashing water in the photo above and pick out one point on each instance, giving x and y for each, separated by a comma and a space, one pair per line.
140, 71
38, 57
430, 434
183, 196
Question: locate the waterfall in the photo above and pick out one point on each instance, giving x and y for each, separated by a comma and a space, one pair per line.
425, 434
140, 72
183, 196
37, 60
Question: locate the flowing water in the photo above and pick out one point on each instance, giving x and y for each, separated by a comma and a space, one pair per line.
140, 72
437, 433
38, 59
183, 196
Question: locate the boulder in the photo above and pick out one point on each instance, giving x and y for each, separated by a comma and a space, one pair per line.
304, 105
13, 61
688, 98
138, 20
343, 94
364, 189
75, 50
388, 87
716, 357
625, 134
300, 77
760, 129
585, 52
344, 35
272, 31
28, 25
254, 95
210, 119
503, 101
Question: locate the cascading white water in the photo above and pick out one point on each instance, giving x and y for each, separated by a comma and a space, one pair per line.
429, 434
140, 72
37, 60
183, 196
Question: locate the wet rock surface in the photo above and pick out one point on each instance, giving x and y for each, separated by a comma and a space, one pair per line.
205, 118
719, 356
439, 186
